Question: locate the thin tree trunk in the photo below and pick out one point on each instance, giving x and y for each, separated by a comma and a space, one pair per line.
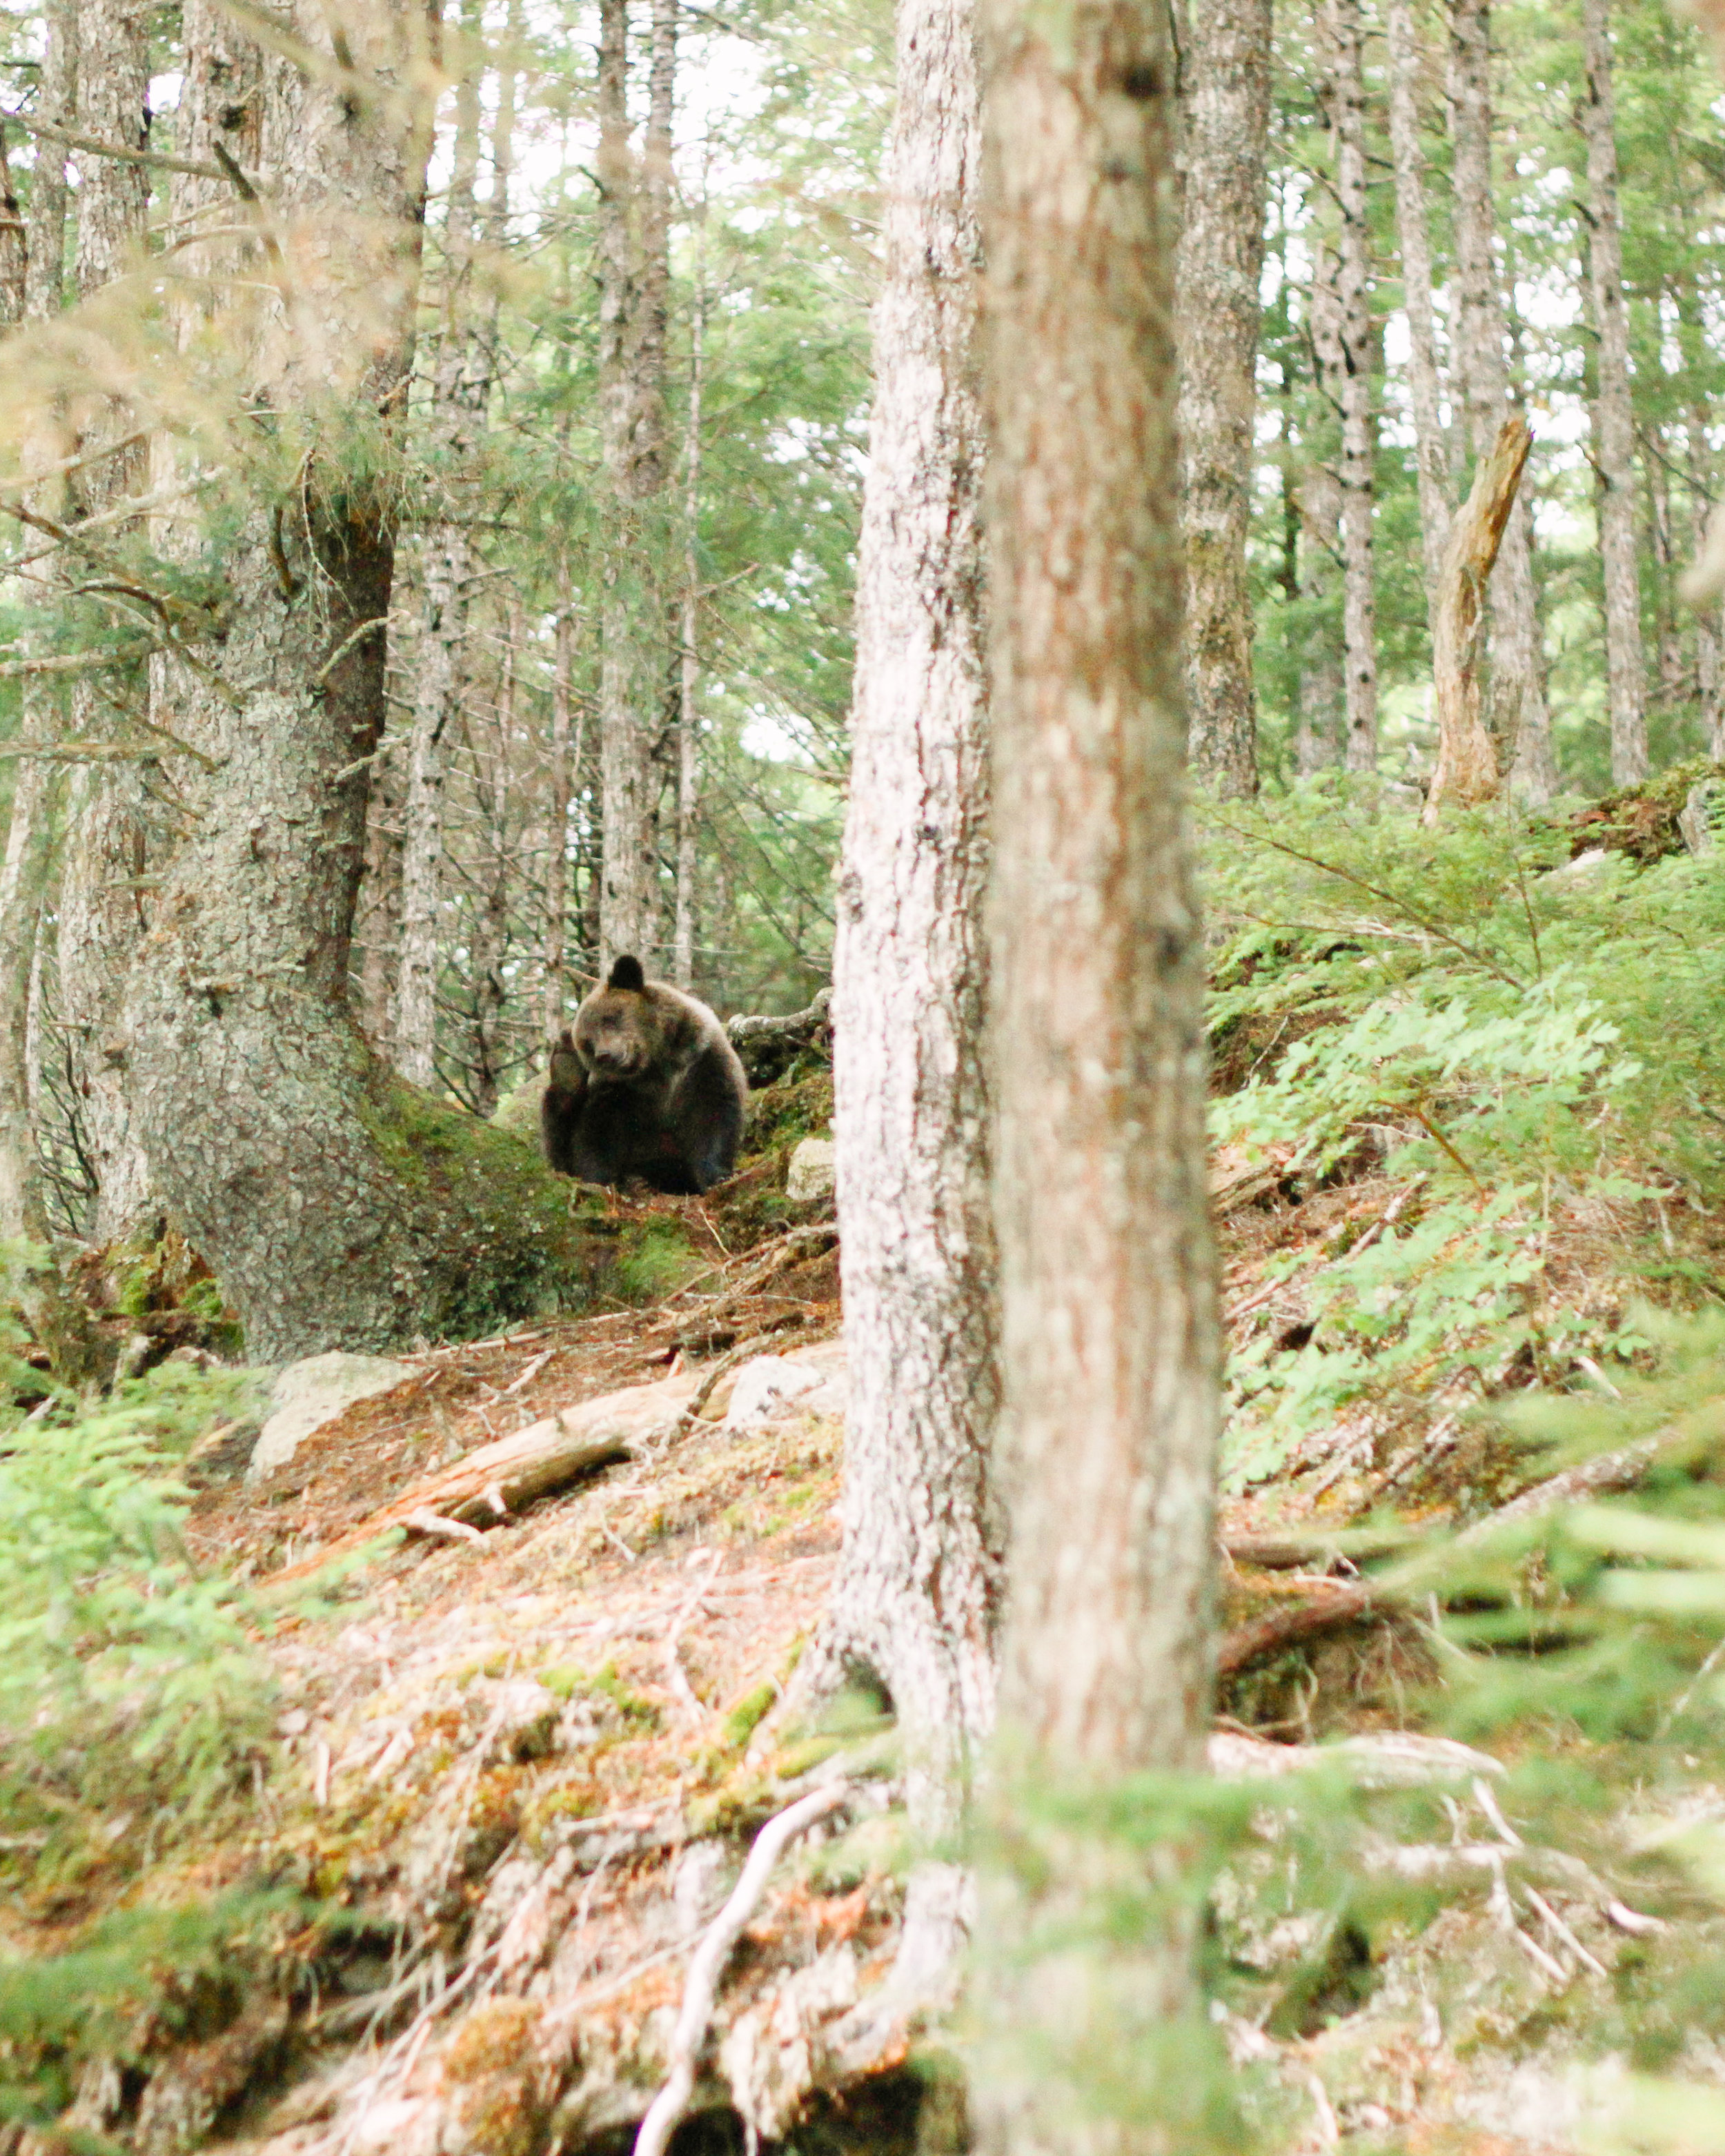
490, 935
23, 873
34, 249
1467, 768
109, 816
45, 219
377, 928
337, 1207
1109, 1331
632, 435
1518, 716
1424, 393
558, 788
1352, 372
915, 1595
1226, 89
1322, 738
1317, 738
689, 698
1614, 414
1710, 673
14, 248
456, 421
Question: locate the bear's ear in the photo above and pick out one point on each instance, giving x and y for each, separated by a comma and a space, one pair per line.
627, 974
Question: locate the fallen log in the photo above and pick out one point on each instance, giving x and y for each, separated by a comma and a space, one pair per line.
545, 1456
1296, 1552
1604, 1474
768, 1045
1263, 1636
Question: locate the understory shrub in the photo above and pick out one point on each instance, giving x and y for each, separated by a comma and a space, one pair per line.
128, 1676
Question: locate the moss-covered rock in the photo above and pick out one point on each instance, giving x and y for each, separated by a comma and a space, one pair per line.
1642, 821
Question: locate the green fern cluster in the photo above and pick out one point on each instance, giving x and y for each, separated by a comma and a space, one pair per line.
1527, 1038
128, 1677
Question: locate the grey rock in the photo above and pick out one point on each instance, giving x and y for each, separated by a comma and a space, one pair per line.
309, 1393
811, 1173
767, 1389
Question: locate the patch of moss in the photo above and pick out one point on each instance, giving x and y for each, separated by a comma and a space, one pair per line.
746, 1716
654, 1261
507, 1238
782, 1115
567, 1681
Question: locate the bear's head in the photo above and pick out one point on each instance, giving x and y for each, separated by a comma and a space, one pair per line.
620, 1028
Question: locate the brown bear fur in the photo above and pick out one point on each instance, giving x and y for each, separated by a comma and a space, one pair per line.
645, 1083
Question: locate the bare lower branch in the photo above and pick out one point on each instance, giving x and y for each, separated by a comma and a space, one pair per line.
118, 152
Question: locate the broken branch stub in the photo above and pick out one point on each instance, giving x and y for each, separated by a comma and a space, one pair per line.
1467, 769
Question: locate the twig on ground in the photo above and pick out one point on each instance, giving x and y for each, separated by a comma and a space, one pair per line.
434, 1523
701, 1986
676, 1675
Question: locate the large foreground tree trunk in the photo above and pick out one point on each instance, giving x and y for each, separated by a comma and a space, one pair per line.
338, 1207
1613, 411
1109, 1332
916, 1597
1226, 92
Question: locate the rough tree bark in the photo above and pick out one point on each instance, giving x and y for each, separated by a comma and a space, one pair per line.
460, 393
1467, 768
1109, 1330
337, 1206
1518, 716
1225, 87
915, 1599
109, 815
1613, 412
1351, 370
1424, 393
634, 287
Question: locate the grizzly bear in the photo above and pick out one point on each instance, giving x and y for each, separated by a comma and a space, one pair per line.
646, 1083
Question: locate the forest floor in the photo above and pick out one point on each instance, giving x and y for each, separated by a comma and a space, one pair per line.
518, 1763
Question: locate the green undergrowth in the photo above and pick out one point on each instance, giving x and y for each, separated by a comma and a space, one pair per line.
1537, 1046
132, 1983
1584, 1653
133, 1684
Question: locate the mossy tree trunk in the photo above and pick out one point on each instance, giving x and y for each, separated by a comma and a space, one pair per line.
338, 1206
